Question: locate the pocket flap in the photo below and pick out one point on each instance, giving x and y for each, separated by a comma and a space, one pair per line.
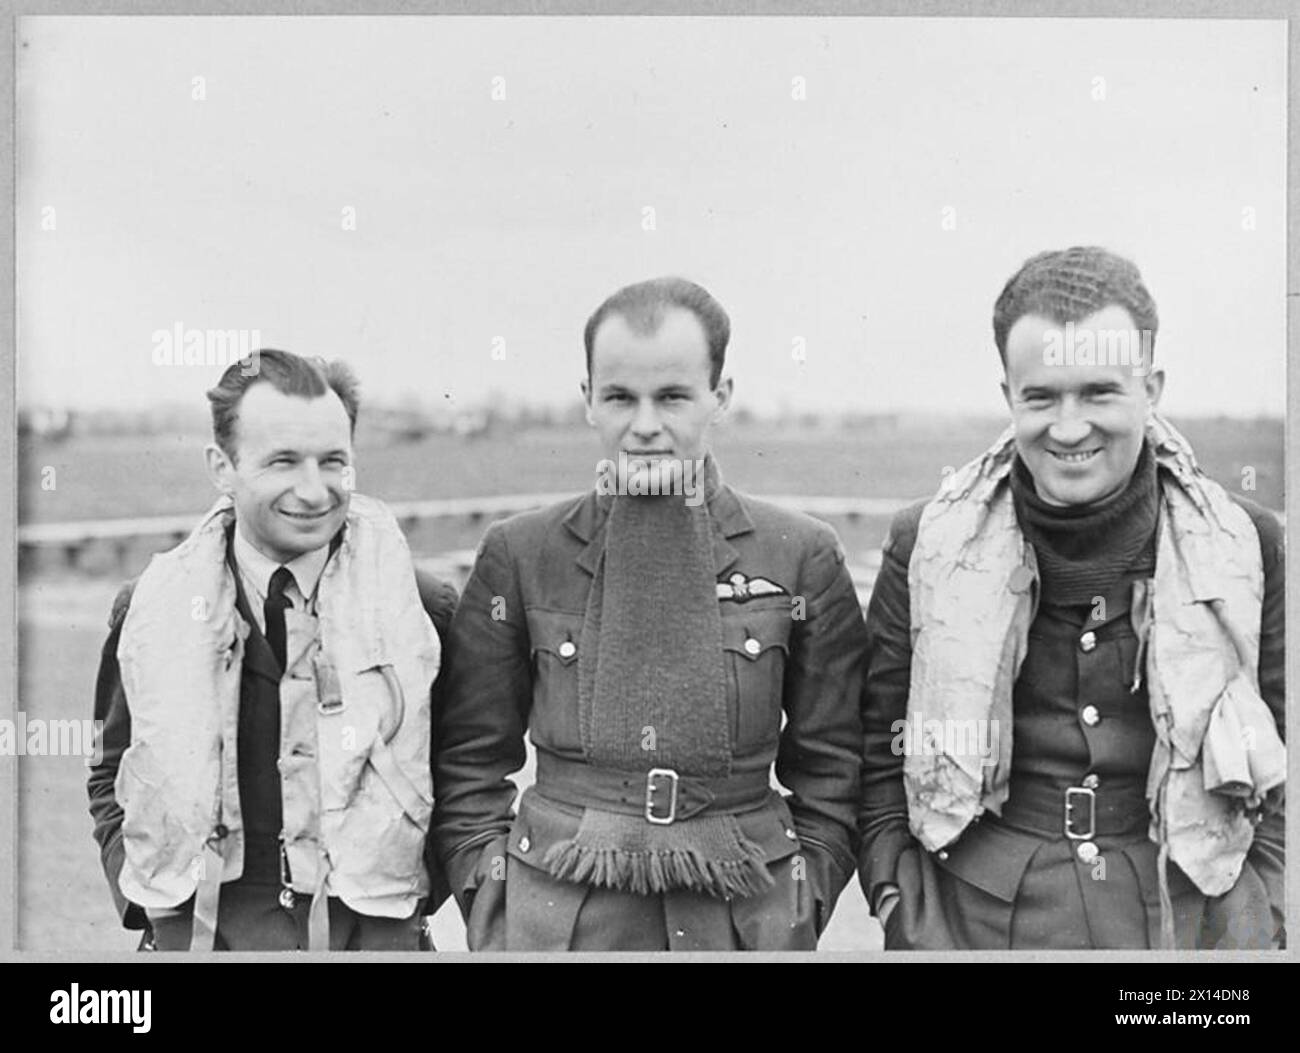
558, 633
755, 632
990, 857
770, 828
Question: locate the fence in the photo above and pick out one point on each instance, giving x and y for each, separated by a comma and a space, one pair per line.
120, 546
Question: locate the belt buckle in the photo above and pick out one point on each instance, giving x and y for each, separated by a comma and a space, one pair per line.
651, 787
1091, 796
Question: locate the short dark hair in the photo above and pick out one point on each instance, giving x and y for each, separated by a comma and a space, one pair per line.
1068, 285
644, 305
289, 374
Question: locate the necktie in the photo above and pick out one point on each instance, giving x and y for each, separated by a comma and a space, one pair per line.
273, 610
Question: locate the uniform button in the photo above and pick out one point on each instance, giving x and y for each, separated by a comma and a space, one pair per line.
1088, 641
525, 844
791, 834
752, 646
1087, 851
568, 649
286, 898
942, 854
1091, 781
1090, 716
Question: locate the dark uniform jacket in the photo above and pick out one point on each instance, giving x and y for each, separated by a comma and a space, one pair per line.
1017, 880
111, 706
512, 664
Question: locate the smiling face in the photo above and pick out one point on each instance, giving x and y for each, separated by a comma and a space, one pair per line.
289, 480
650, 396
1079, 428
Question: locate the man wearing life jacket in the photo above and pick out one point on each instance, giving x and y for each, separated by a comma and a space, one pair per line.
265, 692
650, 635
1074, 702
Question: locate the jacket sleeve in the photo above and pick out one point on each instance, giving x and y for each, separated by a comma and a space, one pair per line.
883, 817
480, 713
114, 735
1268, 853
438, 598
818, 759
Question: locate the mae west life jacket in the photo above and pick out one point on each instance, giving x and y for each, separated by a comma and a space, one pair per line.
355, 776
973, 579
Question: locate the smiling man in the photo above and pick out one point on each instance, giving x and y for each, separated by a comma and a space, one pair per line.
651, 643
1115, 618
265, 692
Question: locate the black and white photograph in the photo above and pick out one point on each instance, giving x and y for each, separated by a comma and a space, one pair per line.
705, 483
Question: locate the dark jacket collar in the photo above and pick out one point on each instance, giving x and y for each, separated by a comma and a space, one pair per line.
586, 521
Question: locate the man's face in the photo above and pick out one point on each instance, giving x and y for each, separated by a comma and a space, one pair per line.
292, 478
1079, 428
650, 396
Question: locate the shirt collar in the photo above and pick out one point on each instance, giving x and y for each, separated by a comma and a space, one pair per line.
306, 569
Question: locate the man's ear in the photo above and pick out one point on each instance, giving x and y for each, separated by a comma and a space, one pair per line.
723, 393
1155, 386
1006, 391
220, 468
585, 386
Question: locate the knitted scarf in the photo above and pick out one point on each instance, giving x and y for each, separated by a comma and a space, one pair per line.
652, 693
651, 683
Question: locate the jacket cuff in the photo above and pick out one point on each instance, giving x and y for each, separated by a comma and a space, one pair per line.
881, 850
113, 858
466, 870
828, 875
1268, 856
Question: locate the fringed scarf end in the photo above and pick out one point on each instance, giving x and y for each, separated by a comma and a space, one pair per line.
660, 861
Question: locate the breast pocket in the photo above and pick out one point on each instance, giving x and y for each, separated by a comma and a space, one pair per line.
756, 643
555, 638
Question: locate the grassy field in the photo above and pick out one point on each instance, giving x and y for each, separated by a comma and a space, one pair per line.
122, 476
129, 476
63, 901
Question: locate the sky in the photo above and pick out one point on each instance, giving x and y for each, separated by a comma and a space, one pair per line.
444, 201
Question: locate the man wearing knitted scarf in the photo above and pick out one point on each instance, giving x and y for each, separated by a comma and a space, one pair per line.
650, 635
1074, 700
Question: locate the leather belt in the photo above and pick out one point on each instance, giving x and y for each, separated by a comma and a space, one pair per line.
660, 795
1077, 812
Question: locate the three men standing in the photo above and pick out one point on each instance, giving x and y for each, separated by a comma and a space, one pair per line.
1060, 726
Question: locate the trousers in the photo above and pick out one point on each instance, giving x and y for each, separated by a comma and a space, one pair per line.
250, 917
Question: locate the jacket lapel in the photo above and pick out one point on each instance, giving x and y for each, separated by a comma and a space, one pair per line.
729, 520
586, 522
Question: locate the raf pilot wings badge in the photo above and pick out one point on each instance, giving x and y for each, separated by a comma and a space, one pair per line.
740, 588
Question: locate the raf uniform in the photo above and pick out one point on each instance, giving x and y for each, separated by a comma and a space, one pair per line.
259, 909
1068, 863
794, 642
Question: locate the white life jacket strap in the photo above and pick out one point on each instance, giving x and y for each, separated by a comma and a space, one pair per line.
318, 917
207, 896
413, 801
